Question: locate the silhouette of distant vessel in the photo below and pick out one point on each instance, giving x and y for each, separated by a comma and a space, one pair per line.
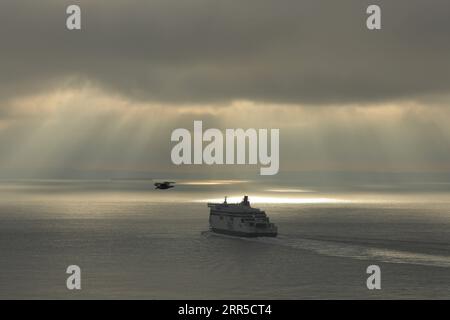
240, 219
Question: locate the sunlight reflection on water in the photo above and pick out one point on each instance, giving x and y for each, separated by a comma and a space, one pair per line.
281, 200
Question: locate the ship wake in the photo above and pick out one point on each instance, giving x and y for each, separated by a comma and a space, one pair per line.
347, 250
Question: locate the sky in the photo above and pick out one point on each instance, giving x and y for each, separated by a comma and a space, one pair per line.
103, 101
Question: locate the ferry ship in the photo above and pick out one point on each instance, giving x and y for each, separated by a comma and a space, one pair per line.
240, 219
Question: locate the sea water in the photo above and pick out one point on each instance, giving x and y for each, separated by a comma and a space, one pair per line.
134, 242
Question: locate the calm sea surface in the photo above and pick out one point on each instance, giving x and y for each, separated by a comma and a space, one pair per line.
132, 241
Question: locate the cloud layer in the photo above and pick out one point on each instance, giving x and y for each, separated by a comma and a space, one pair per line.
199, 51
105, 99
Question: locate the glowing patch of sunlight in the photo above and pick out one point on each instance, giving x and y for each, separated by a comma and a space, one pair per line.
290, 190
211, 182
278, 200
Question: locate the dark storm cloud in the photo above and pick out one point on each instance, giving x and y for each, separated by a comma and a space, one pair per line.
199, 51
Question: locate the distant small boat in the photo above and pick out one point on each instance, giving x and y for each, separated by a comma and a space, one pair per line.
240, 219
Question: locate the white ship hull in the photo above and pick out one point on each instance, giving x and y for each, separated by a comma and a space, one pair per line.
240, 220
244, 234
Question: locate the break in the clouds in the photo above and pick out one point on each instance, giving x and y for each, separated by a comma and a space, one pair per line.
103, 101
314, 52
